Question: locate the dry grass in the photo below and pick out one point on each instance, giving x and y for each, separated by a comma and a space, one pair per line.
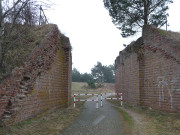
20, 44
127, 119
48, 123
170, 34
152, 122
173, 35
82, 87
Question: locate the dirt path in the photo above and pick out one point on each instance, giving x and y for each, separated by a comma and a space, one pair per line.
102, 121
143, 125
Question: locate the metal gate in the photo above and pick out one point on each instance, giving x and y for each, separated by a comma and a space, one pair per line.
103, 96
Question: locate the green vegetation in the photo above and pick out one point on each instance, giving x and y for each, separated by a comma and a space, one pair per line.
165, 123
162, 32
80, 77
126, 117
18, 46
91, 83
130, 15
173, 36
102, 73
99, 74
127, 121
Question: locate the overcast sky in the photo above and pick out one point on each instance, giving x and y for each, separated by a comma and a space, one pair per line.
92, 34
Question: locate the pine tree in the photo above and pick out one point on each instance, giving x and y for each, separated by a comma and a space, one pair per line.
130, 15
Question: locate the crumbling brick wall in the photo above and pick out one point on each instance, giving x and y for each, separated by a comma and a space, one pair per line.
42, 82
157, 60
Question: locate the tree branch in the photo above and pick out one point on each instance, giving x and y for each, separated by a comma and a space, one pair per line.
4, 15
154, 7
131, 16
14, 19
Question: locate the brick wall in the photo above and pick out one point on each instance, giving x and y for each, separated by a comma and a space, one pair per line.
127, 76
151, 71
42, 82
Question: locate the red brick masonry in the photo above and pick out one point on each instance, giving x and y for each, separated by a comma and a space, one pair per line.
42, 82
148, 71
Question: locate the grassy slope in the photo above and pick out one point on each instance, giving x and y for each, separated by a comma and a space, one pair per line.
20, 44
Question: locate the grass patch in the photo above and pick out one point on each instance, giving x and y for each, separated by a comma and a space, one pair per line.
165, 123
82, 87
127, 121
50, 122
154, 121
170, 35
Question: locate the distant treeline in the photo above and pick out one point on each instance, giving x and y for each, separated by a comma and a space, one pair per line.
99, 74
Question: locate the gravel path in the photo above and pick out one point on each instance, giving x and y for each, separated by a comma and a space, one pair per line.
92, 121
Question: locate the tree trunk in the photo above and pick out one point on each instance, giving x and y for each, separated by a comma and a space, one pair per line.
1, 31
145, 12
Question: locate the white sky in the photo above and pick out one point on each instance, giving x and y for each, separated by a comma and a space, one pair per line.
92, 34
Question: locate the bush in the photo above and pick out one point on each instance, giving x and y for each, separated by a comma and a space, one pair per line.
91, 83
99, 85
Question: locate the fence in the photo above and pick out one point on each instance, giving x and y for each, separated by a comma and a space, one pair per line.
79, 100
119, 97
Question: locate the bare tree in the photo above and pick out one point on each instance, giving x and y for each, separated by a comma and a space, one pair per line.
14, 12
6, 8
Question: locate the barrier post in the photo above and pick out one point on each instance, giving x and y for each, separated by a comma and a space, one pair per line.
121, 100
101, 99
79, 100
97, 102
74, 100
119, 97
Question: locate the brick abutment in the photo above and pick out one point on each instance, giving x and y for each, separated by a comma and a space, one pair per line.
148, 71
42, 82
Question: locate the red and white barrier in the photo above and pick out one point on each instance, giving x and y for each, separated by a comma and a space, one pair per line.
79, 100
106, 98
120, 97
